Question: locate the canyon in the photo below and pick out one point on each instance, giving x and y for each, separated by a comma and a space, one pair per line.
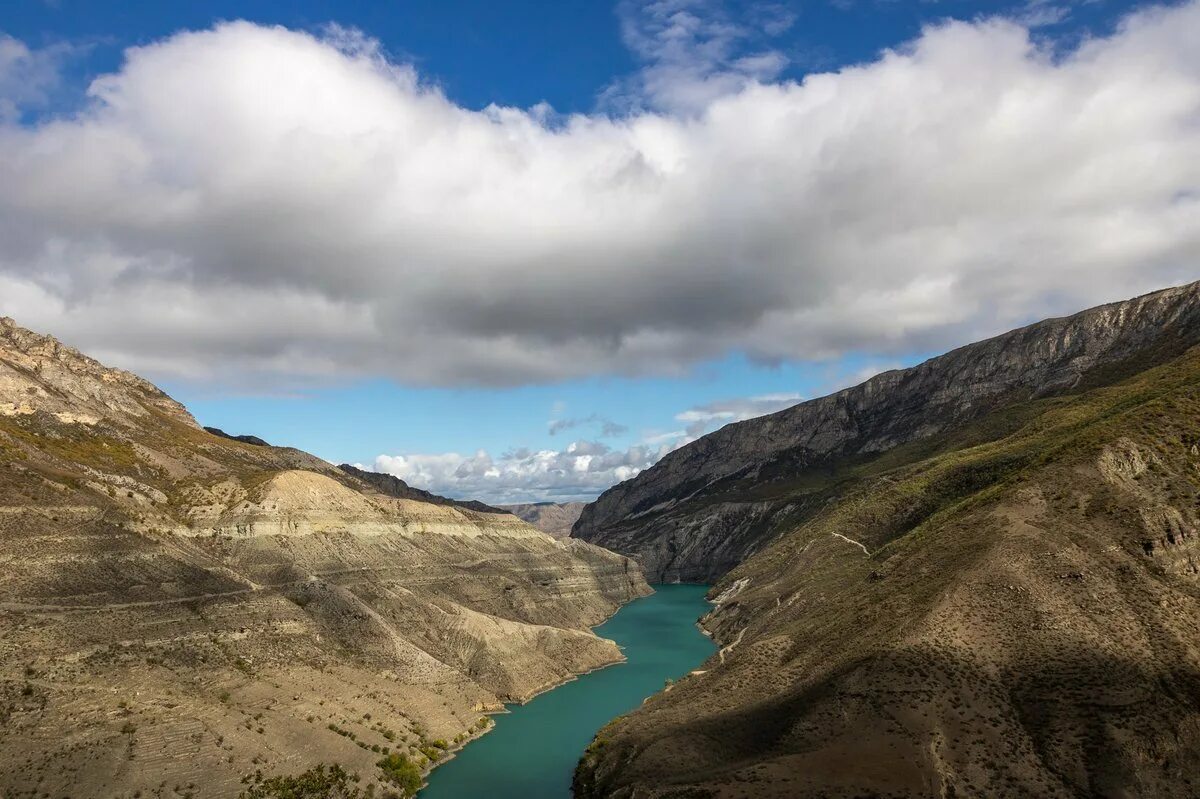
183, 608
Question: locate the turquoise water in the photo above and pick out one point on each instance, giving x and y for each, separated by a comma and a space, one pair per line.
531, 754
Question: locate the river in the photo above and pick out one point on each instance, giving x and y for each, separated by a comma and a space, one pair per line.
532, 751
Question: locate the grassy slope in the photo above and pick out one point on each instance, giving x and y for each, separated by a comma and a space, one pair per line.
1025, 623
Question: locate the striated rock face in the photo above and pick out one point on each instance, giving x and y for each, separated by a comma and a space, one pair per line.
185, 608
38, 373
700, 510
553, 518
1009, 611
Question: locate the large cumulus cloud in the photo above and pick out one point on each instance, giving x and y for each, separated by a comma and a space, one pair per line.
253, 200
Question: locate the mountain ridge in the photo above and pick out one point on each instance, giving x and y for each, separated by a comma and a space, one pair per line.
649, 516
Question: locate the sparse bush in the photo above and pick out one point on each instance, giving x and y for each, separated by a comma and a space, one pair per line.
318, 782
401, 772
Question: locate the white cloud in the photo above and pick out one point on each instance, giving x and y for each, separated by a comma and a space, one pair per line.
579, 471
257, 203
1043, 13
695, 52
27, 76
706, 418
606, 427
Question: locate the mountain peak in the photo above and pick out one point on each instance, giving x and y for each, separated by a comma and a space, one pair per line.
38, 373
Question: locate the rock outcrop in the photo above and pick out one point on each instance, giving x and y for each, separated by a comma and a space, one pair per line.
183, 609
1009, 608
707, 506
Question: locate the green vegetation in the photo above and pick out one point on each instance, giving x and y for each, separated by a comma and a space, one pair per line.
74, 444
319, 782
401, 772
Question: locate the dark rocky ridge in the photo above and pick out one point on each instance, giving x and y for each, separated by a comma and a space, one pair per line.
392, 486
706, 507
253, 440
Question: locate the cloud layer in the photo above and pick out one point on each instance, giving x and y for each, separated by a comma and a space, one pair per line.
253, 202
579, 471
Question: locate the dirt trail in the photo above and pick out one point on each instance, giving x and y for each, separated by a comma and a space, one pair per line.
852, 541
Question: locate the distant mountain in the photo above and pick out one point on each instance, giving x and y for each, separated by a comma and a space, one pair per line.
977, 577
183, 608
555, 518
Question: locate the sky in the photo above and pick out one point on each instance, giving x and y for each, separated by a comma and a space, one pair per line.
520, 251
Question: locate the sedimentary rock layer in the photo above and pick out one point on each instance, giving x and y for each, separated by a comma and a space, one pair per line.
180, 609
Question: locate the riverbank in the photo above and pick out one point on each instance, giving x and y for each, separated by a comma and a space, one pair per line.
531, 750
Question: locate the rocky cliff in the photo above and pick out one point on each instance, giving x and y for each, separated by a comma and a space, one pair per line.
1006, 609
707, 506
552, 518
183, 609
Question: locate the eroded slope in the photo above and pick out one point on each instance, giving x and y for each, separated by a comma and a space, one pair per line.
181, 609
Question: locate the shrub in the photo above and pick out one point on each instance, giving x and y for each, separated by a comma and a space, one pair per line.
401, 772
318, 782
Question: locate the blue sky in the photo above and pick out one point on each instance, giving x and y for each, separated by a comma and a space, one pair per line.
520, 250
520, 52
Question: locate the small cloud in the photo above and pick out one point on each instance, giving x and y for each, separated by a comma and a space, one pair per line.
607, 427
28, 76
1043, 14
694, 51
706, 418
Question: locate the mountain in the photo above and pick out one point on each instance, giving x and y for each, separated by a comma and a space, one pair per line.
707, 506
553, 518
183, 609
988, 583
393, 486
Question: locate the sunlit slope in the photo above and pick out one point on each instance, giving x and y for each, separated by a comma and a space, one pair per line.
182, 607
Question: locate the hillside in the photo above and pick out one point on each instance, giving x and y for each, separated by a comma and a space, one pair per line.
1007, 609
181, 609
707, 506
552, 518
